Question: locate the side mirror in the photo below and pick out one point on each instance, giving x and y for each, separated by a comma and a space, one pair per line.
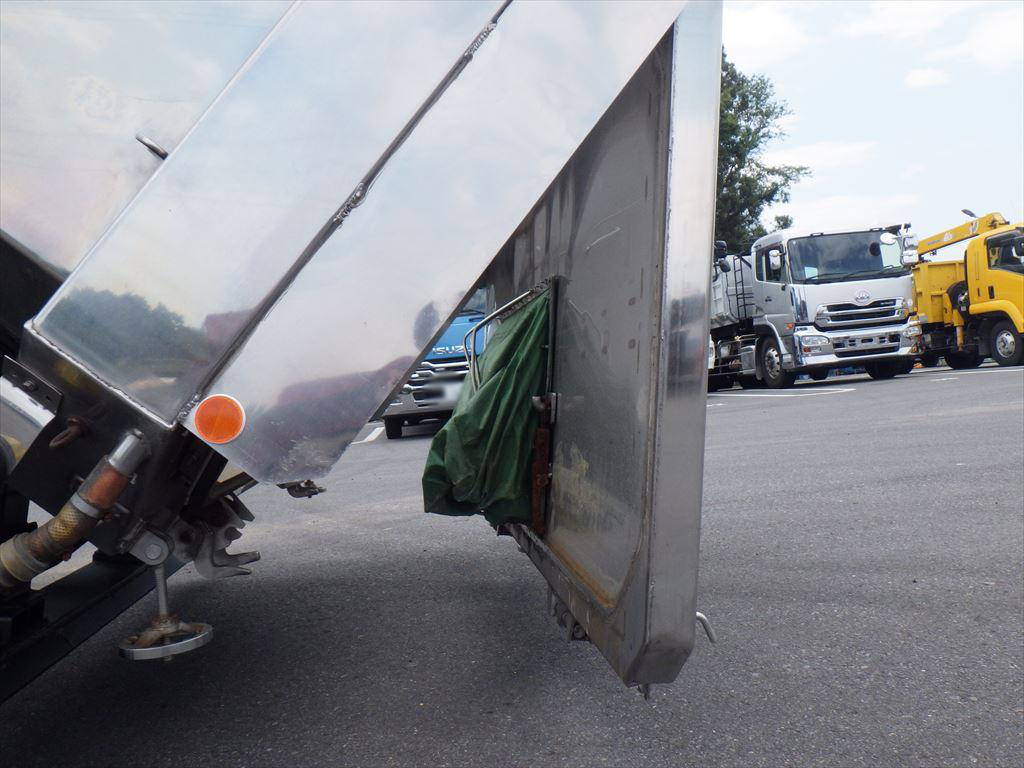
720, 248
723, 265
909, 258
775, 260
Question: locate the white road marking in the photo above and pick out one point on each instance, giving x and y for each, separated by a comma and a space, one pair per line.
992, 369
999, 369
714, 405
372, 436
829, 391
946, 378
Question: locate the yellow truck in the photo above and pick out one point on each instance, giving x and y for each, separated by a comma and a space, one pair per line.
973, 307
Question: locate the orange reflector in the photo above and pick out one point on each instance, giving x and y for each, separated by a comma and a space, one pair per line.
219, 419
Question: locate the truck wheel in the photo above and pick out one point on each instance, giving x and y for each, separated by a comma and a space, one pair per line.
818, 374
960, 361
749, 382
393, 428
929, 360
882, 370
1005, 344
775, 377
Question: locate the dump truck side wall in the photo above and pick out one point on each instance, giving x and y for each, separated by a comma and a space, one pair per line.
932, 280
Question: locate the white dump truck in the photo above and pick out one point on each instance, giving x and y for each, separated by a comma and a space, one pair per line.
805, 301
220, 259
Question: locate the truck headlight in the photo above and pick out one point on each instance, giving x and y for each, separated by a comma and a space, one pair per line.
913, 331
813, 344
812, 340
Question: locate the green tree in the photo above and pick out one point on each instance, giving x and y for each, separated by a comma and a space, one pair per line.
749, 118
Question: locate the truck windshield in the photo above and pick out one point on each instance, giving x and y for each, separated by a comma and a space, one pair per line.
846, 256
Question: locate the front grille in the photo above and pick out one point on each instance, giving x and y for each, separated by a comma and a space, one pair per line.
836, 317
427, 382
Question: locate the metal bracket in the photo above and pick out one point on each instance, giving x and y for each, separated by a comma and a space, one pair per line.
573, 629
212, 560
151, 548
303, 489
22, 378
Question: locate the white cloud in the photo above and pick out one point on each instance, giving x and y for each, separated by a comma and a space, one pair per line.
839, 211
758, 33
913, 171
994, 41
925, 78
823, 155
787, 121
906, 18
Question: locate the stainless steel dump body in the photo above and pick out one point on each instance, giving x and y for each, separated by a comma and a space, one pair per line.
368, 166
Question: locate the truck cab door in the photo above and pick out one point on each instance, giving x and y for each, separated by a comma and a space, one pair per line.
999, 265
772, 295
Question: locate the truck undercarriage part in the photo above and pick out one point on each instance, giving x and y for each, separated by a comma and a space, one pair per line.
28, 554
166, 635
479, 461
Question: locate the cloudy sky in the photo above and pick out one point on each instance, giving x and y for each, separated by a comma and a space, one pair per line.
904, 111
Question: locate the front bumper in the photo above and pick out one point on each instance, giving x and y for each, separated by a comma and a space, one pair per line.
431, 392
856, 347
404, 405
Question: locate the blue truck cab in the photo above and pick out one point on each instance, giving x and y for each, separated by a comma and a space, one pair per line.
433, 389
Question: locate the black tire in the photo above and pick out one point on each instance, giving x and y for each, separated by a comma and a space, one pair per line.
960, 361
930, 359
819, 374
960, 298
749, 382
393, 428
1005, 344
772, 373
904, 367
883, 369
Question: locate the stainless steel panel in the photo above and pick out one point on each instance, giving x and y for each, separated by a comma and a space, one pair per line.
677, 479
156, 305
78, 81
628, 225
352, 324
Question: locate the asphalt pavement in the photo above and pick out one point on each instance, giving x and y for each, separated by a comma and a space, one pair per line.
862, 561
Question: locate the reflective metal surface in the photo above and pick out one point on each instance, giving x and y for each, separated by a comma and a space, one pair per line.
22, 418
628, 224
673, 538
162, 297
345, 334
79, 79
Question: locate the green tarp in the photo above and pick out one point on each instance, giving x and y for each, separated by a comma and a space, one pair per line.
479, 461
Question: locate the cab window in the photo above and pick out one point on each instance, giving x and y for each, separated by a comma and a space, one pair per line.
764, 268
1007, 254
